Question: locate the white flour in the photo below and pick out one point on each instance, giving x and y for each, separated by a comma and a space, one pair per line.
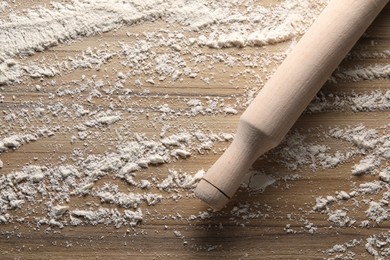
15, 141
64, 22
3, 6
379, 245
135, 172
367, 73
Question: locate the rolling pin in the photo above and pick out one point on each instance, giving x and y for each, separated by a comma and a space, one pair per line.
282, 100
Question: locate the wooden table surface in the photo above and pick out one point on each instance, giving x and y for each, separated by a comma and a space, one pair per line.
278, 226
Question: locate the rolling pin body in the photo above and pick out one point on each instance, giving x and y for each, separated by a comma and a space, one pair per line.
284, 97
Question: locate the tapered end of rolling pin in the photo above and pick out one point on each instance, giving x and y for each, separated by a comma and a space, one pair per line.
222, 180
211, 195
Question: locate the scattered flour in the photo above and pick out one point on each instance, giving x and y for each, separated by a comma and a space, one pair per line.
378, 246
12, 72
93, 17
113, 184
365, 165
385, 175
376, 212
80, 179
15, 141
368, 73
90, 58
343, 251
3, 6
375, 100
294, 153
339, 218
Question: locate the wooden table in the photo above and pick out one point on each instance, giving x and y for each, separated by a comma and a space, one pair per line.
278, 226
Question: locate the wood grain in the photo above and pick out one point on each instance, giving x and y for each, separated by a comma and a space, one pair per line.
261, 237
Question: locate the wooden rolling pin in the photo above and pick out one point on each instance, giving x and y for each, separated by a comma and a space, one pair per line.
282, 100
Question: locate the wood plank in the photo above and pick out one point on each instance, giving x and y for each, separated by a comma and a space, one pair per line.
277, 223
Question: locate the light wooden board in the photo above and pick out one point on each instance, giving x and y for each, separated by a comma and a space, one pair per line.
217, 237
